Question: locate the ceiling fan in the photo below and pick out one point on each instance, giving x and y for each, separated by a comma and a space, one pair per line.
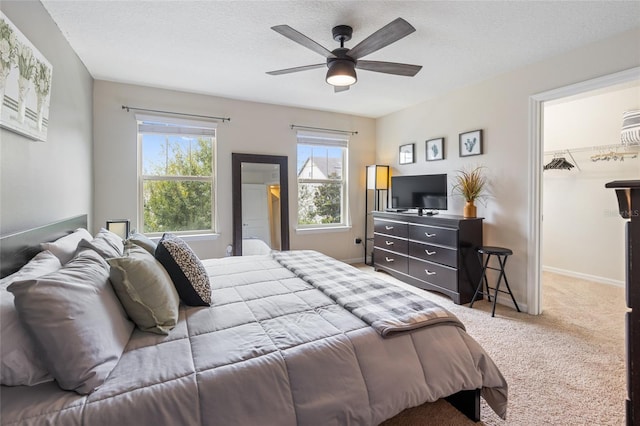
342, 62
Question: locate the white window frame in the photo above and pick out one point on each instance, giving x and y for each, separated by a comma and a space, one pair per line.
171, 125
327, 140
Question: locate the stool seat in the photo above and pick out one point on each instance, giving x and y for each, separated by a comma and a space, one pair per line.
501, 253
495, 250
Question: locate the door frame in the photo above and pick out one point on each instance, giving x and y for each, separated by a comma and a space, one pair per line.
536, 152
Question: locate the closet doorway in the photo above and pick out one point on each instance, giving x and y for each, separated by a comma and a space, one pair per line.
567, 128
582, 232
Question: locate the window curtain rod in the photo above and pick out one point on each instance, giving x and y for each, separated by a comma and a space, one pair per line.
346, 132
128, 108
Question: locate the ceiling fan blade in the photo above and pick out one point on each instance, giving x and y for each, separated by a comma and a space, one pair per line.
296, 69
337, 89
386, 35
302, 39
389, 67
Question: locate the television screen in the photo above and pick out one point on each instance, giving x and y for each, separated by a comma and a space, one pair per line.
422, 192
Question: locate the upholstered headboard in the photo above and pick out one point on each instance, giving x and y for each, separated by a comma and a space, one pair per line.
17, 249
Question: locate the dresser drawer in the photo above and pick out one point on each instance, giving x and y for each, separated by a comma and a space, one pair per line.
389, 227
391, 260
390, 243
434, 235
433, 273
431, 253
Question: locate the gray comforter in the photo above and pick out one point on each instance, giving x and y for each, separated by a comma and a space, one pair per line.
271, 350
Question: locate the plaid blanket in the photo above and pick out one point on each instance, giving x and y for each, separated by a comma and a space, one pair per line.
385, 307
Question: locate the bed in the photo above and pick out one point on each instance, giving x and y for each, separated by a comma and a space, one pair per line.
284, 342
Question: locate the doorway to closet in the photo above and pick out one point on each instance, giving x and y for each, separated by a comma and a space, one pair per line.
583, 237
570, 188
582, 232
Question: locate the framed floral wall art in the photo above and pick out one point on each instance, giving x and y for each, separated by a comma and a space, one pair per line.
25, 84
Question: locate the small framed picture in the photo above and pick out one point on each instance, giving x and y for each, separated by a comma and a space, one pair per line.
406, 154
435, 149
471, 143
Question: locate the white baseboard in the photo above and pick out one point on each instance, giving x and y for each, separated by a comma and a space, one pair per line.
580, 275
352, 261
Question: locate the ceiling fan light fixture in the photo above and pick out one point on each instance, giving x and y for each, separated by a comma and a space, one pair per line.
341, 73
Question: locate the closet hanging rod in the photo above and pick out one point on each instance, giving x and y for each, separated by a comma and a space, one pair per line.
346, 132
593, 148
575, 163
130, 108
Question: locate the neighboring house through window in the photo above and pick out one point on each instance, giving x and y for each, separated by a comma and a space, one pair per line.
176, 175
322, 179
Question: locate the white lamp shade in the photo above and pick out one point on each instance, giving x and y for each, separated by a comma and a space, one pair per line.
377, 177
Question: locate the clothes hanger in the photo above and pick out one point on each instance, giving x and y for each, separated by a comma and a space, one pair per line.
559, 163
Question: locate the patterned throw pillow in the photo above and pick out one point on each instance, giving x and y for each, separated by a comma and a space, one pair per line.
185, 269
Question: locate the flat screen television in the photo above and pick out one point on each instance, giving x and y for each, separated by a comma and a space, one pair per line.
419, 192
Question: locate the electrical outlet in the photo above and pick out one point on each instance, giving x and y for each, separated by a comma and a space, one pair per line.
357, 241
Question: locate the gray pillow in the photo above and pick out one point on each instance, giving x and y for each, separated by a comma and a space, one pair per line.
145, 290
20, 363
143, 241
76, 321
106, 243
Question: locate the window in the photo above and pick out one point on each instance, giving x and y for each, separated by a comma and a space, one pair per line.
176, 175
322, 179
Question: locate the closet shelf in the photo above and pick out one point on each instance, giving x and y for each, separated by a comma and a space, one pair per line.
604, 153
599, 148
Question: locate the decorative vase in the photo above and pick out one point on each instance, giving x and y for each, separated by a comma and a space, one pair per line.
23, 89
469, 209
40, 108
4, 73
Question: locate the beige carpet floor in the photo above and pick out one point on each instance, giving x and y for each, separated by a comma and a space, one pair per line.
564, 367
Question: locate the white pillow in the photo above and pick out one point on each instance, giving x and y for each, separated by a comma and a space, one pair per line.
19, 360
64, 248
106, 243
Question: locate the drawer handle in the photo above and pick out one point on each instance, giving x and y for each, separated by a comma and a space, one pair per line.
389, 259
388, 228
429, 235
430, 253
389, 243
429, 272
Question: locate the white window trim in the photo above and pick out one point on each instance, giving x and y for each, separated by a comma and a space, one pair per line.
206, 127
317, 229
328, 140
189, 237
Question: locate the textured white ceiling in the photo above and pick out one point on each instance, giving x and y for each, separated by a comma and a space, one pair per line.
224, 48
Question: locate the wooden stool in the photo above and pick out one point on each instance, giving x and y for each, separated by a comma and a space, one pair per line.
502, 254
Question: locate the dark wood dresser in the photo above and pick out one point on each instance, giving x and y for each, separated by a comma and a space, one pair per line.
431, 252
628, 193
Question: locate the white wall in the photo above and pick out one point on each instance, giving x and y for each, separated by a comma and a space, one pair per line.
582, 230
500, 106
41, 182
254, 128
